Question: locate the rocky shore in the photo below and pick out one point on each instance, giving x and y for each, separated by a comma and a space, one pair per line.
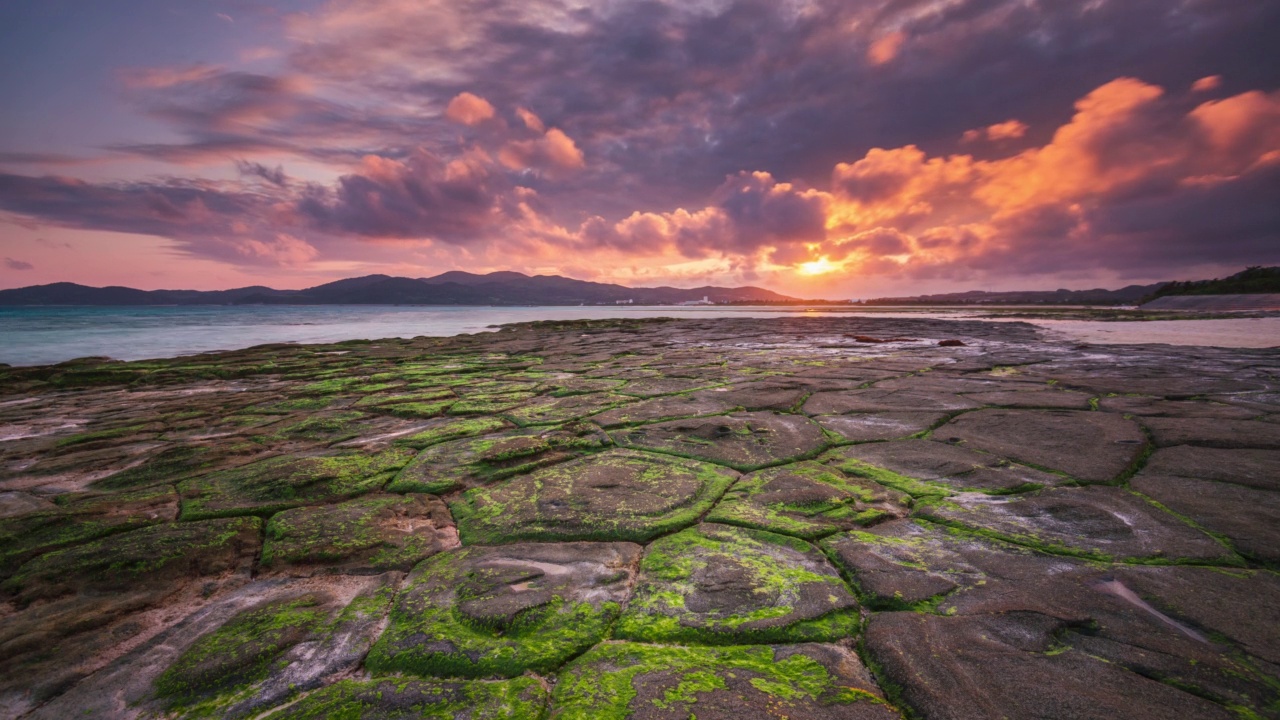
733, 518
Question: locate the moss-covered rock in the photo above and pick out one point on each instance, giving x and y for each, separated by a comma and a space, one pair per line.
367, 535
617, 681
743, 441
727, 585
454, 429
555, 410
520, 698
613, 495
268, 486
807, 500
499, 611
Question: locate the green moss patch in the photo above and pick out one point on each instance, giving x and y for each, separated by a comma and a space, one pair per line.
743, 441
563, 409
268, 486
454, 429
807, 500
613, 495
615, 681
369, 534
499, 611
516, 699
727, 585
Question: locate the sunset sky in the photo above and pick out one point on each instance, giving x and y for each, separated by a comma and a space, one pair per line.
845, 148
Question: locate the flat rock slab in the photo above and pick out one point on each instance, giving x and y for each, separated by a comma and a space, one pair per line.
1010, 666
884, 400
807, 500
289, 640
613, 495
1056, 399
1259, 469
372, 534
1139, 405
763, 395
651, 682
79, 518
471, 462
1214, 432
267, 486
743, 441
940, 466
1090, 446
521, 698
655, 386
1103, 522
664, 408
551, 411
880, 426
454, 429
499, 611
1247, 517
727, 585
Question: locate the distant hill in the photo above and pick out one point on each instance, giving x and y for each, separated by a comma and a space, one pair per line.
1129, 295
1256, 280
451, 288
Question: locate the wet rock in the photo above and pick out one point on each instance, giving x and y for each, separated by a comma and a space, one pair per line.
370, 535
743, 441
925, 467
445, 430
652, 682
1252, 468
1248, 518
653, 387
879, 426
762, 395
951, 343
1101, 522
521, 698
807, 500
1090, 446
20, 503
614, 495
468, 463
878, 400
566, 409
1139, 405
1213, 432
267, 486
1011, 665
664, 408
1057, 399
499, 611
728, 585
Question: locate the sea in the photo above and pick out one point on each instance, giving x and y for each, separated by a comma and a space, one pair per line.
42, 335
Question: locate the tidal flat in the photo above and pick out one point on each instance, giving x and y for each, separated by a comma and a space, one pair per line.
801, 517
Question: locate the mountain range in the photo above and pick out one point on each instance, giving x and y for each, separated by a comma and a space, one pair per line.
450, 288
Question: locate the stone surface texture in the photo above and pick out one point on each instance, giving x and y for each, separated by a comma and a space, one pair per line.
729, 518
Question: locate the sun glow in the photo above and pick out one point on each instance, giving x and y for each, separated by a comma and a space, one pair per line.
821, 266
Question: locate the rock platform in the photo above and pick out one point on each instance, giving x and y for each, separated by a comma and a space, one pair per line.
730, 518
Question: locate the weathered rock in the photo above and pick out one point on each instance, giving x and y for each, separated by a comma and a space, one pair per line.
566, 409
1249, 518
372, 534
1253, 468
664, 408
807, 500
613, 495
467, 463
727, 585
1093, 447
655, 386
1213, 432
499, 611
924, 467
880, 426
445, 430
267, 486
1012, 665
1046, 398
1141, 405
1103, 522
743, 441
779, 395
521, 698
881, 400
651, 682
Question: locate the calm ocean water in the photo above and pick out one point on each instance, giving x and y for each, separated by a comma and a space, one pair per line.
38, 335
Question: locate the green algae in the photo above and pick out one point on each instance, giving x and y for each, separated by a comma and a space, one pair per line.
602, 684
357, 529
268, 486
452, 430
520, 698
888, 478
614, 495
790, 593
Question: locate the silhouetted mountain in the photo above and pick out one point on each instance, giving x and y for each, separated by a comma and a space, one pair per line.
450, 288
1250, 281
1129, 295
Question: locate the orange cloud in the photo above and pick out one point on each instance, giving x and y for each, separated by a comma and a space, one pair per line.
469, 109
885, 49
553, 150
1205, 84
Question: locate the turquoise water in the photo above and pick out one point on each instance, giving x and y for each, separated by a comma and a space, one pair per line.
39, 335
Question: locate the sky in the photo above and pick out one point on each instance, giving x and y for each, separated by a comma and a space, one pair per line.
839, 149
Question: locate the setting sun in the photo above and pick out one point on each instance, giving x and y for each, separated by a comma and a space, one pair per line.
821, 266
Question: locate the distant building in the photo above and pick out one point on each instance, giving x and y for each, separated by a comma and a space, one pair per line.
704, 301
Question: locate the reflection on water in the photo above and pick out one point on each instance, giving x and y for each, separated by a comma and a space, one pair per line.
53, 334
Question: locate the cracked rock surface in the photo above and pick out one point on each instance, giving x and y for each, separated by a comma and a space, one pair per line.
646, 519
